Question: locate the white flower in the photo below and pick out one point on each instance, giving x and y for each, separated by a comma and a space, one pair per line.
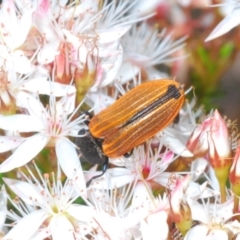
108, 68
46, 208
124, 216
58, 22
12, 84
74, 31
152, 212
3, 210
214, 221
115, 215
144, 48
15, 26
187, 191
229, 22
52, 125
115, 20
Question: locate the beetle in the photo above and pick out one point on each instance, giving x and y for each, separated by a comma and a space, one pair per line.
131, 120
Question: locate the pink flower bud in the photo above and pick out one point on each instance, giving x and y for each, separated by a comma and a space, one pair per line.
211, 138
197, 142
219, 144
180, 210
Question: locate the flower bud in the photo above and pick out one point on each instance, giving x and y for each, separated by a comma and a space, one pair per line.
211, 138
219, 144
197, 142
219, 151
180, 209
63, 71
234, 176
84, 79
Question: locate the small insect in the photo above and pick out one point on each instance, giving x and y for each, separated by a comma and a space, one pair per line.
131, 120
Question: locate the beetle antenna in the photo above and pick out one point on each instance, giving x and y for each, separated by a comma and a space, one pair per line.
104, 169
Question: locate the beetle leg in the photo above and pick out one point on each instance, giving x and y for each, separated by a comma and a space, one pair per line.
128, 154
104, 169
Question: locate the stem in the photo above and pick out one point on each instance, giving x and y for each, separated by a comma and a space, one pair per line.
236, 191
235, 206
222, 176
223, 191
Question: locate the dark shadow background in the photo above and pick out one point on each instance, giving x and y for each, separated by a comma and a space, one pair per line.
229, 84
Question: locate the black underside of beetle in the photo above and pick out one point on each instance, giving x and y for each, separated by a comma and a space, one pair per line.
90, 150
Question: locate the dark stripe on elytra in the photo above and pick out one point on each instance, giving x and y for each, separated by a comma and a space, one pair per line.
172, 92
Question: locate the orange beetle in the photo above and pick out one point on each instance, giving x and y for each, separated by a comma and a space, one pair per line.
131, 120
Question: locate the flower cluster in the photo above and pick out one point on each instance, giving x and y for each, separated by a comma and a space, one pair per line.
61, 58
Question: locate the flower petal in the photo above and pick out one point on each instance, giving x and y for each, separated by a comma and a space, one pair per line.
229, 22
41, 234
68, 158
48, 52
3, 206
61, 228
198, 233
174, 143
20, 123
148, 7
81, 212
163, 178
99, 101
43, 86
31, 103
111, 69
26, 191
150, 226
198, 167
127, 72
139, 197
112, 227
65, 105
25, 152
27, 226
21, 63
112, 34
119, 177
8, 143
199, 213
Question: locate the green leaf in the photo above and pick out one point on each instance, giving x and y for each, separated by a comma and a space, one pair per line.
226, 50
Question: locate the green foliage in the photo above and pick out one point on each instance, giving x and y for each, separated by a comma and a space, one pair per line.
209, 63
